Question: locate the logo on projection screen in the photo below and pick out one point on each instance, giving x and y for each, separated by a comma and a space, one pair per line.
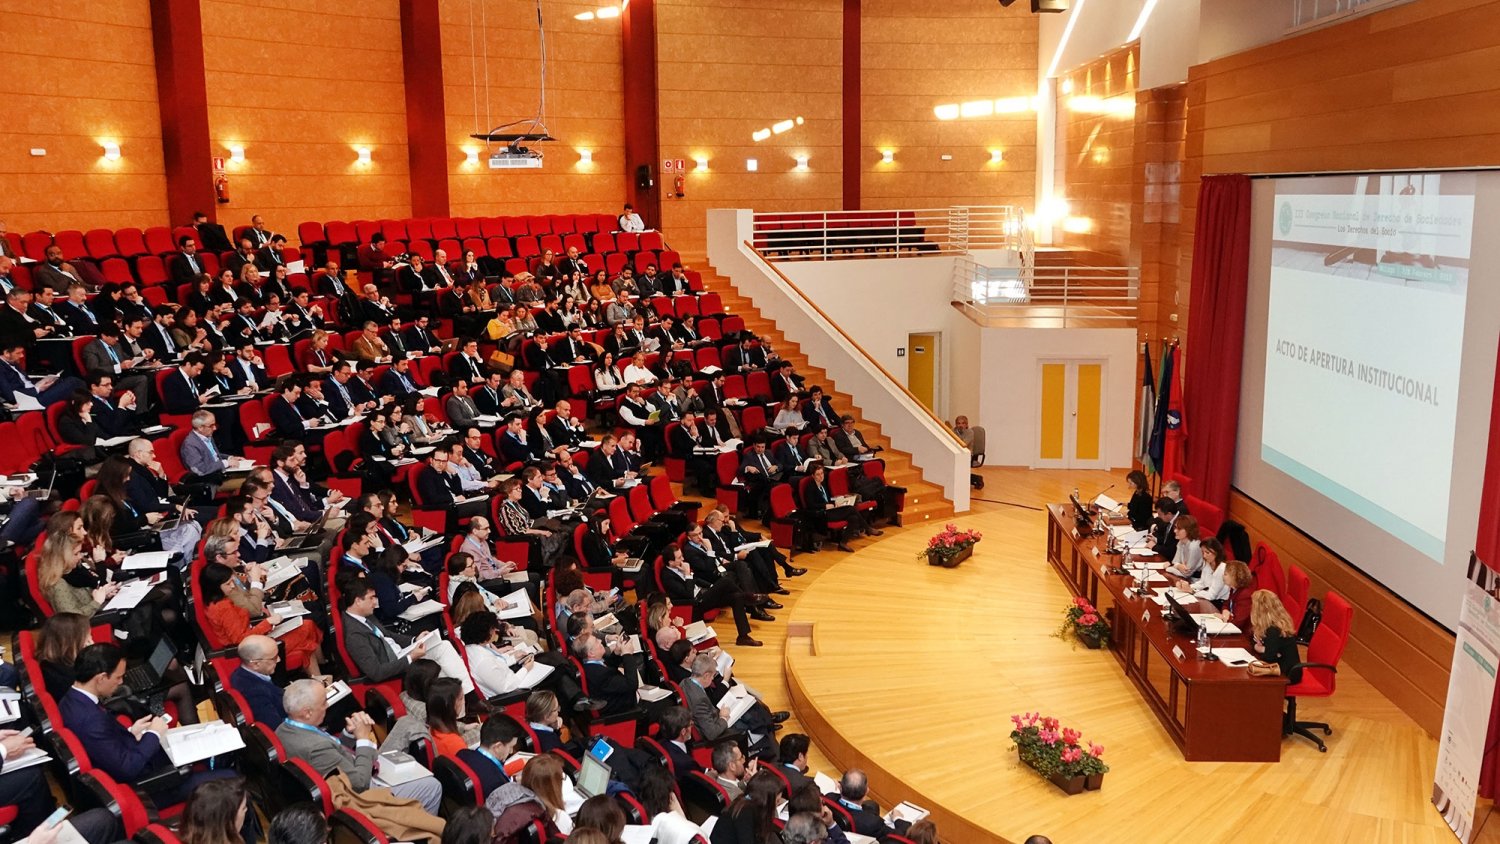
1284, 219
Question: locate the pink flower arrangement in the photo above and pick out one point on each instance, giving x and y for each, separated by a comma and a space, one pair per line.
951, 541
1050, 748
1082, 620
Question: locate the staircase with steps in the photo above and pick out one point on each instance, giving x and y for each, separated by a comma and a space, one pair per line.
924, 500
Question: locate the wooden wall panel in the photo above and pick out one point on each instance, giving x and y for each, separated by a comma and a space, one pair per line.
301, 84
1410, 87
584, 107
77, 73
726, 68
917, 56
1096, 156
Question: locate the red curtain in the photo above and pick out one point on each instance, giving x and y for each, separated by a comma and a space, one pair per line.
1216, 334
1487, 546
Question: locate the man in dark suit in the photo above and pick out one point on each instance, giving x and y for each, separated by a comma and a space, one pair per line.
604, 683
745, 356
573, 348
247, 369
420, 281
489, 394
849, 440
709, 568
467, 364
211, 235
852, 795
337, 390
564, 428
42, 311
252, 679
18, 326
258, 234
397, 380
419, 337
128, 754
180, 393
186, 266
376, 308
784, 382
675, 734
14, 381
1163, 530
268, 256
498, 740
759, 473
285, 418
512, 442
440, 489
76, 312
792, 759
245, 255
474, 452
818, 410
113, 418
608, 464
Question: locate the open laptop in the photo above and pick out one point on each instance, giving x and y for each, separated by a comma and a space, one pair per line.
148, 674
593, 777
1180, 621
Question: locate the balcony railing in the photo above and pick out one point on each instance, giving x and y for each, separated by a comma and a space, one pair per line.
838, 235
1311, 14
1046, 297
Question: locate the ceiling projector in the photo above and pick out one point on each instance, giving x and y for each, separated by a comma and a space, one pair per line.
515, 157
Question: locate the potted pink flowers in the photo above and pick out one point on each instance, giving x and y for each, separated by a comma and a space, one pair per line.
1058, 753
1084, 623
950, 547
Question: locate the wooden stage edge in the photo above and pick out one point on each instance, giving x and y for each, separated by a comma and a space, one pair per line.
911, 672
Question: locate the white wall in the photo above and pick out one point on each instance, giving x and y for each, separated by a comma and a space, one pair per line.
1008, 402
931, 444
880, 301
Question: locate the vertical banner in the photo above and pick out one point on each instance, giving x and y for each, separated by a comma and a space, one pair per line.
1471, 692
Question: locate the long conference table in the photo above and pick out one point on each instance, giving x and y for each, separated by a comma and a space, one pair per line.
1213, 711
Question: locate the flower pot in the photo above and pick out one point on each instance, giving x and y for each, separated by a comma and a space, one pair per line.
1093, 782
1093, 643
1069, 785
937, 558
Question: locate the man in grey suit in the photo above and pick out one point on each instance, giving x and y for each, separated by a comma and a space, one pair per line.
306, 705
711, 720
199, 453
106, 353
462, 412
373, 647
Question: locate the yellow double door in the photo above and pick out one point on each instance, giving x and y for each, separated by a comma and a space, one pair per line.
1071, 415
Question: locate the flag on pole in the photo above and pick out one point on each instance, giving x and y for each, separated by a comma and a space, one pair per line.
1172, 448
1157, 447
1147, 412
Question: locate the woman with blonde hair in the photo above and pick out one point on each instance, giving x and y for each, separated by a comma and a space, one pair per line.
62, 554
1274, 635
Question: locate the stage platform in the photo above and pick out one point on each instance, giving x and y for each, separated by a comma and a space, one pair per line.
911, 672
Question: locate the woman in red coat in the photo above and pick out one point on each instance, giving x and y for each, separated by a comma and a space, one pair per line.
231, 622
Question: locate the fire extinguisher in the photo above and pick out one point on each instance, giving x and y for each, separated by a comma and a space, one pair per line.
679, 185
221, 188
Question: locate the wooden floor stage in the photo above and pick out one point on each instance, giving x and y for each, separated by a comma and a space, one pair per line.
912, 672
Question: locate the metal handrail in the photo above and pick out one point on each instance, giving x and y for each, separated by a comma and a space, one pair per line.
1312, 14
839, 235
1046, 296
